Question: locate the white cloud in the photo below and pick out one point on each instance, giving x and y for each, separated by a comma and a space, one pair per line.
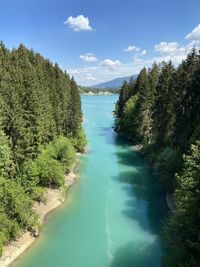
87, 75
110, 64
142, 53
73, 71
137, 59
138, 52
132, 48
79, 23
194, 34
176, 59
167, 48
173, 51
90, 78
109, 69
88, 57
191, 45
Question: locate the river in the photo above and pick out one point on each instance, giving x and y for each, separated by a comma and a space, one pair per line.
112, 215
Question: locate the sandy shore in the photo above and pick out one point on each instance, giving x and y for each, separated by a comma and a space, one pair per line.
54, 198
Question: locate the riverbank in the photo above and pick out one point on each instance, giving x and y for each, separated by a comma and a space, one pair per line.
168, 197
97, 94
54, 198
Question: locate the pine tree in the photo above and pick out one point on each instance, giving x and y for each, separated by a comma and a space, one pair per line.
183, 229
146, 101
162, 106
187, 99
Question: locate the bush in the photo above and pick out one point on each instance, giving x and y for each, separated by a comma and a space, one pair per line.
9, 228
16, 211
80, 141
6, 163
1, 242
195, 136
48, 168
168, 162
49, 171
182, 230
128, 123
63, 151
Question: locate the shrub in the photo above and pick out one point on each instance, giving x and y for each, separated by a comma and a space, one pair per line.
80, 141
168, 162
49, 171
1, 242
6, 163
63, 151
15, 209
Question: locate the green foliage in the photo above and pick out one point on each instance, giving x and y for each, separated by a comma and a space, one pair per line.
38, 101
166, 119
168, 162
127, 90
186, 100
80, 141
6, 163
49, 171
29, 179
49, 167
97, 91
17, 205
162, 110
10, 228
128, 123
1, 242
196, 135
64, 152
39, 107
16, 211
183, 229
146, 88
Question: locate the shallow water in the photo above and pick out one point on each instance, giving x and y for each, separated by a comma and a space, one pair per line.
113, 214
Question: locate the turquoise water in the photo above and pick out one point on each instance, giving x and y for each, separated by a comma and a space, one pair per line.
113, 214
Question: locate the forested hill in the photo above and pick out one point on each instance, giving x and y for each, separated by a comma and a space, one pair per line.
113, 84
40, 131
161, 110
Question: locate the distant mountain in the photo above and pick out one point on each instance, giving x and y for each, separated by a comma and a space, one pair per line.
115, 83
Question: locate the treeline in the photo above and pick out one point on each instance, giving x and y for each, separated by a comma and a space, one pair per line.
86, 90
161, 110
40, 132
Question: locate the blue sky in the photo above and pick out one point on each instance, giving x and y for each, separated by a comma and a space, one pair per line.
96, 41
